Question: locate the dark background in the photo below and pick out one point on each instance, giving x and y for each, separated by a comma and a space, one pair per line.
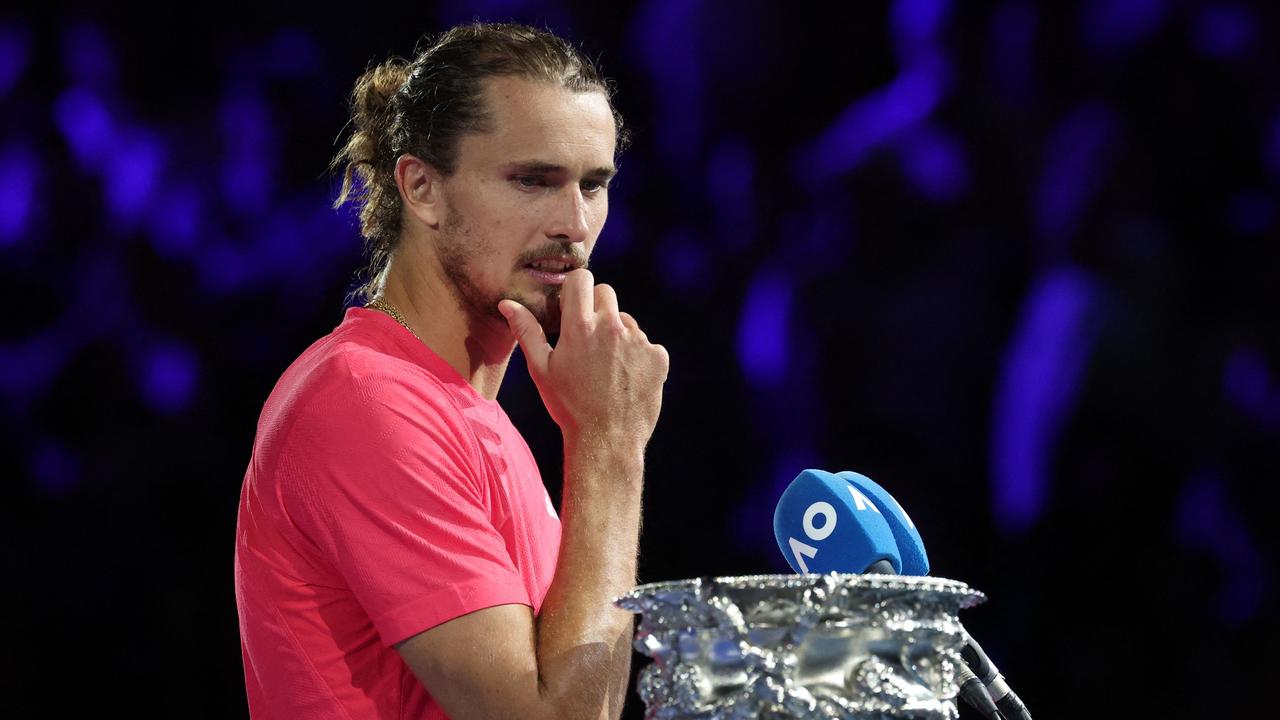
1016, 261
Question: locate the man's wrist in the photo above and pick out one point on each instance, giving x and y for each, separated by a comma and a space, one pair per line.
620, 454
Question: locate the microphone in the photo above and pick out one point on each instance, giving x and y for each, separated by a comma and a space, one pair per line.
911, 549
910, 545
817, 494
1005, 698
975, 693
826, 524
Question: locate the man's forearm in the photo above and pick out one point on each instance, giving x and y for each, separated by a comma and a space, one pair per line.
584, 642
602, 384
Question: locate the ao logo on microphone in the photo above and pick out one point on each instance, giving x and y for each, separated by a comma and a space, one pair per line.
823, 521
819, 522
915, 561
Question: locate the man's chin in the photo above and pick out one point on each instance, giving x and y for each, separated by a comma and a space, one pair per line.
545, 308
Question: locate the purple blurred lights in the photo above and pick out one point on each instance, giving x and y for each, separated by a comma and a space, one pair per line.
916, 24
764, 330
169, 377
935, 164
731, 172
86, 124
293, 53
247, 176
1039, 381
223, 268
1011, 63
615, 239
132, 175
1208, 519
1248, 385
1246, 379
1111, 25
246, 183
668, 38
15, 46
681, 260
175, 221
873, 120
19, 175
1223, 31
55, 468
28, 367
1072, 169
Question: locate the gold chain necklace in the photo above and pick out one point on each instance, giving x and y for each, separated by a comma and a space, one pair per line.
386, 307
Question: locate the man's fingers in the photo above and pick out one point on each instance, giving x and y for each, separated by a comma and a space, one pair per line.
606, 299
528, 332
630, 323
576, 302
666, 360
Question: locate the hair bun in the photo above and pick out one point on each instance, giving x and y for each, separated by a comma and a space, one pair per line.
371, 97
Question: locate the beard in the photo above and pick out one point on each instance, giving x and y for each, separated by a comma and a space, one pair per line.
462, 254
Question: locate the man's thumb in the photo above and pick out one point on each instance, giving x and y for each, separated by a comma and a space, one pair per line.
528, 332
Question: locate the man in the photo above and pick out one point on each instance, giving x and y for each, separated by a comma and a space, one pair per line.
397, 555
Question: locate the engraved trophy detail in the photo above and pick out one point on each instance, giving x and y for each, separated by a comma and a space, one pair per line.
800, 646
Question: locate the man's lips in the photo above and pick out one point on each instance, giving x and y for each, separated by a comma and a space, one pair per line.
552, 270
547, 278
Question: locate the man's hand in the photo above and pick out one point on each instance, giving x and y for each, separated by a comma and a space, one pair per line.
602, 383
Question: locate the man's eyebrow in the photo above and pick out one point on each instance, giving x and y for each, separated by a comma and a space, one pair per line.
603, 172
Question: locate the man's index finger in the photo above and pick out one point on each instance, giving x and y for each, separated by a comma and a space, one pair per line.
577, 301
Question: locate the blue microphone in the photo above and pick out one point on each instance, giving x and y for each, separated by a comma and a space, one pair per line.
910, 545
826, 524
982, 686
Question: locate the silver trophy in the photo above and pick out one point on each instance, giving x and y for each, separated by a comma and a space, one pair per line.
800, 646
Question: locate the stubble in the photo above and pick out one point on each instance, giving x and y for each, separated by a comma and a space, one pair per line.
462, 253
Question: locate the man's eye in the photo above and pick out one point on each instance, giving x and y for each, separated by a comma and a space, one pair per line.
527, 181
593, 186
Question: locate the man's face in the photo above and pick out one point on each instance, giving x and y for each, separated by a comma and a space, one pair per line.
527, 201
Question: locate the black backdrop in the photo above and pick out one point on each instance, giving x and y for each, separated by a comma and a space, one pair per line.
1016, 261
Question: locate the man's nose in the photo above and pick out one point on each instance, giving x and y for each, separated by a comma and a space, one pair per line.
568, 222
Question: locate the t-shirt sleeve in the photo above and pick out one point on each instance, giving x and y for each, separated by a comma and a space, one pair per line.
390, 488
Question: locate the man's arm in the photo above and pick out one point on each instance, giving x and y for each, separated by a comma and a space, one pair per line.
574, 660
603, 385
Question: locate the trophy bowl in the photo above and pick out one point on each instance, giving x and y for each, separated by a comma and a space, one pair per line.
800, 646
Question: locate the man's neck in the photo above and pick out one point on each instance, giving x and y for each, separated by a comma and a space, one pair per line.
478, 347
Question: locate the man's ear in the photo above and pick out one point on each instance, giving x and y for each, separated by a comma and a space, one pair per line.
420, 189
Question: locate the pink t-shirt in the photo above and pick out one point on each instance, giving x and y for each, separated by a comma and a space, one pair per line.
384, 497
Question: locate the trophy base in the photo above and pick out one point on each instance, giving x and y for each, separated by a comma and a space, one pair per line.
800, 646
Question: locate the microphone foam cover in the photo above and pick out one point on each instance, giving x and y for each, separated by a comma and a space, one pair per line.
821, 527
911, 547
